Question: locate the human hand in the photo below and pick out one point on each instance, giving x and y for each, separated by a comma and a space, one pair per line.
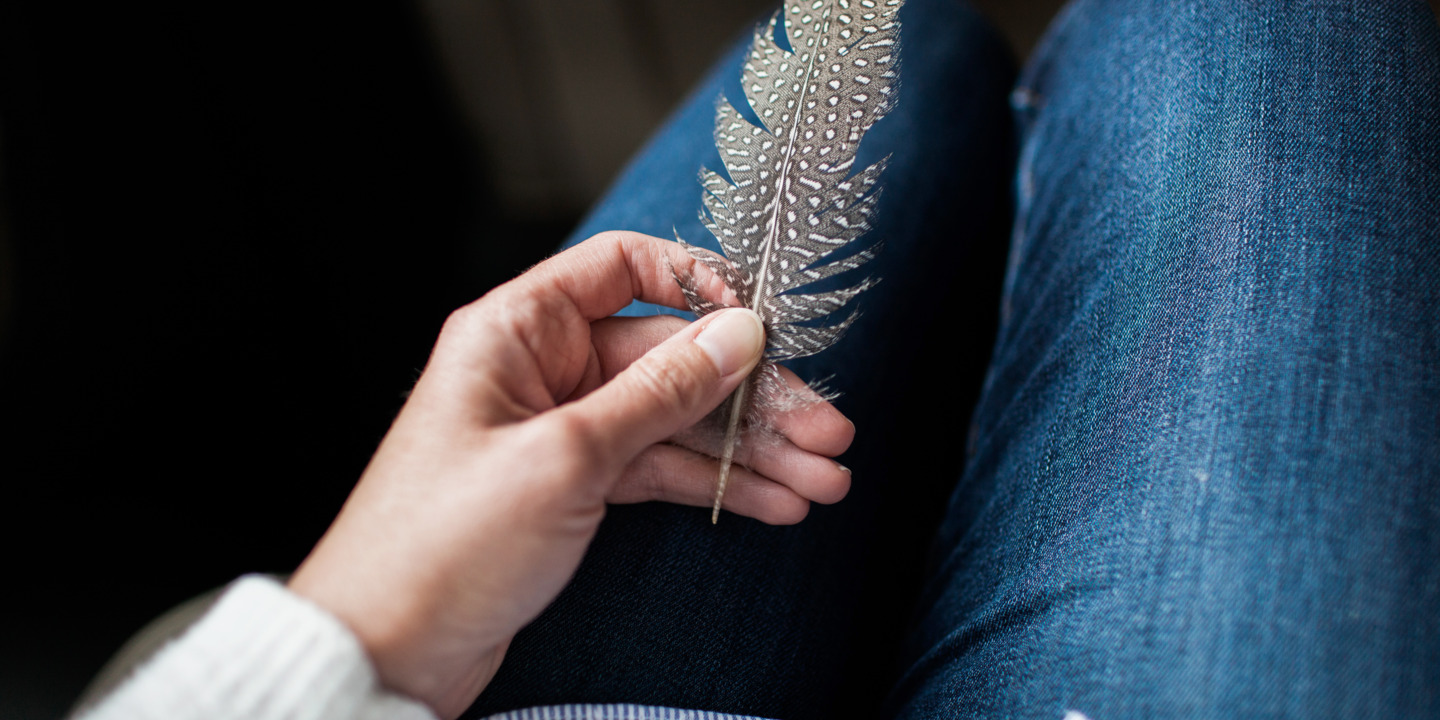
535, 409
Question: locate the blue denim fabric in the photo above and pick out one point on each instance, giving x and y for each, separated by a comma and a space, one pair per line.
1205, 474
806, 621
1203, 477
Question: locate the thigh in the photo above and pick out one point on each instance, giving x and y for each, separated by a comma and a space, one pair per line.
804, 621
1205, 475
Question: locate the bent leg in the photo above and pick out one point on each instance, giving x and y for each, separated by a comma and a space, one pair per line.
805, 621
1205, 472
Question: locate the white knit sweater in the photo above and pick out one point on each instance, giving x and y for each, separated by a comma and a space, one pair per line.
264, 653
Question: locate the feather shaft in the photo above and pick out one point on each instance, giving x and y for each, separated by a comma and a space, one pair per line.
791, 214
727, 456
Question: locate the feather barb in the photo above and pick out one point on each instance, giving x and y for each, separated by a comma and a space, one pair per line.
791, 216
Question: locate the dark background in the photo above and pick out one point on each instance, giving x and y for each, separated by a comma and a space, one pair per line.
228, 237
232, 237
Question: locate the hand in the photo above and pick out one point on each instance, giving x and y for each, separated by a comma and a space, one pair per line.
537, 408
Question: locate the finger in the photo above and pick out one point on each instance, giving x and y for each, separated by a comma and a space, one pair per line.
676, 475
603, 274
620, 341
670, 387
815, 427
547, 311
814, 477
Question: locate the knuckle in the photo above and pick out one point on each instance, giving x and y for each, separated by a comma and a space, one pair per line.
669, 384
503, 308
572, 443
460, 322
465, 326
510, 311
460, 328
615, 237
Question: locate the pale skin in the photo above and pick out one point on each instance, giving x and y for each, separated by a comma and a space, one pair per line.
535, 410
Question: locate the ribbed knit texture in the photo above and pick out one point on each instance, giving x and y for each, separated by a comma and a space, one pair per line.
262, 653
613, 712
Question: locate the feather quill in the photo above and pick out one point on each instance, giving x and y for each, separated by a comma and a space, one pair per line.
792, 213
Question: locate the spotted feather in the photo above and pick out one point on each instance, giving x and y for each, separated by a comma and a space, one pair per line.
792, 213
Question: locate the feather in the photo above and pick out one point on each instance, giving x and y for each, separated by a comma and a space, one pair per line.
792, 214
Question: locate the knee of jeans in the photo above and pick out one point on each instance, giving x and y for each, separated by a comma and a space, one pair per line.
1229, 75
1216, 128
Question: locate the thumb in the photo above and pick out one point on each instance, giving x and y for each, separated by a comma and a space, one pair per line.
673, 385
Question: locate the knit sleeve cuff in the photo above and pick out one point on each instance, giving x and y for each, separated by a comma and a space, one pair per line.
262, 653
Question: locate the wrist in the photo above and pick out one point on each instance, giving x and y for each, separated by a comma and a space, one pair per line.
402, 635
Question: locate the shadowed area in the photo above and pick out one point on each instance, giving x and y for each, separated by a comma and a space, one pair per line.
228, 237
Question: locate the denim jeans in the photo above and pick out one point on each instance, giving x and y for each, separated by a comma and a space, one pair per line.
1202, 473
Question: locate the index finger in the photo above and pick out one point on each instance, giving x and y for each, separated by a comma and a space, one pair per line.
604, 273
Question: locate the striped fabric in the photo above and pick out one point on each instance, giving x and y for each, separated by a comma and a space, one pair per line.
614, 712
